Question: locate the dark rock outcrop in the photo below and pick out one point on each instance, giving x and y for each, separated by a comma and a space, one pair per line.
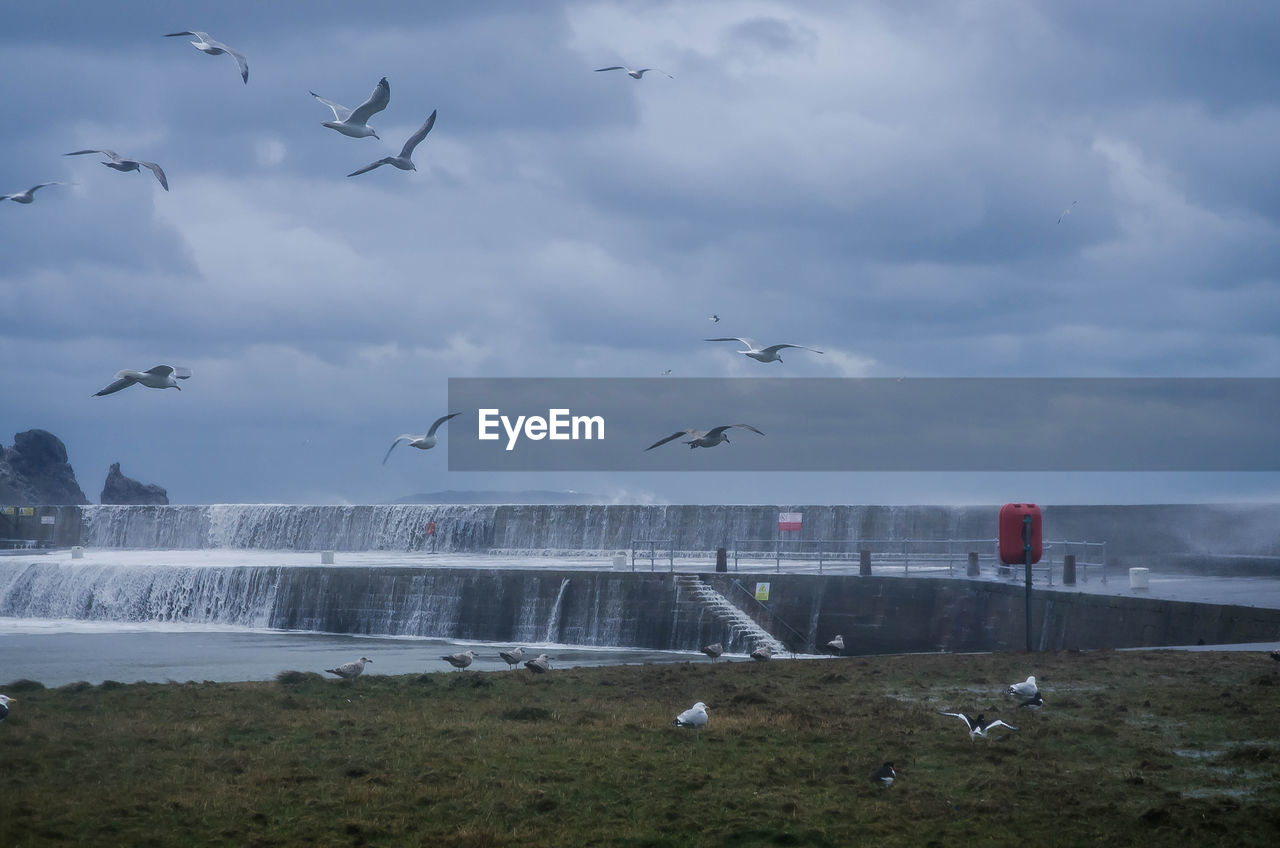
35, 472
123, 490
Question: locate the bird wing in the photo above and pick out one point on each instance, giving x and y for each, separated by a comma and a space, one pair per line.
158, 171
694, 433
367, 168
199, 35
36, 188
991, 725
109, 153
121, 382
393, 446
778, 347
746, 342
440, 421
180, 373
240, 60
376, 103
744, 426
340, 112
160, 370
407, 150
968, 721
611, 68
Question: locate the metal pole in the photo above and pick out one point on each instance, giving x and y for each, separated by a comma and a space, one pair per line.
1026, 555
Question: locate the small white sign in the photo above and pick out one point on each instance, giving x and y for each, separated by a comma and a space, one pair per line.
46, 519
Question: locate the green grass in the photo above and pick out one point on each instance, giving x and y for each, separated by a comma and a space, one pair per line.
1158, 748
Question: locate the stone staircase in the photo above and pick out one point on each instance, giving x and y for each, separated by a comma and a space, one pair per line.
742, 625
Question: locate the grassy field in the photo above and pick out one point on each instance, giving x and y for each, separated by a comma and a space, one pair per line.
1152, 748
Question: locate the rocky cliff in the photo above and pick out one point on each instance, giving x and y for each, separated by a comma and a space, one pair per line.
123, 490
35, 471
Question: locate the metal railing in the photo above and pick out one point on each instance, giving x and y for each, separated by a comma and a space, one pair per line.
638, 546
929, 555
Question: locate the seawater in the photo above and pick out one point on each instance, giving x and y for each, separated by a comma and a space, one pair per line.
56, 652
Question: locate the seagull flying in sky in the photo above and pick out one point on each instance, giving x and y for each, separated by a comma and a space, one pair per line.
352, 122
120, 163
714, 319
159, 377
423, 442
28, 195
761, 354
351, 670
703, 438
216, 48
979, 726
1067, 211
695, 717
405, 160
634, 74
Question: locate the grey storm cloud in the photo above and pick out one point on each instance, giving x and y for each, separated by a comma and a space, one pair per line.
879, 180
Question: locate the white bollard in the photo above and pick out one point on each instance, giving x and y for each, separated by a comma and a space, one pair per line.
1138, 578
326, 557
619, 562
77, 552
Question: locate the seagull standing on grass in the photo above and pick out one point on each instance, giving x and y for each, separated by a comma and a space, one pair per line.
837, 644
979, 726
1025, 689
121, 163
423, 442
28, 195
762, 354
216, 48
512, 657
762, 653
351, 670
695, 717
405, 160
714, 650
351, 122
703, 438
459, 661
884, 775
634, 74
5, 700
159, 377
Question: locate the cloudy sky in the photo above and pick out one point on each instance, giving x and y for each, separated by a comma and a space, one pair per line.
879, 180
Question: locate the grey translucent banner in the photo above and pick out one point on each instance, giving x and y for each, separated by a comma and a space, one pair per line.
926, 424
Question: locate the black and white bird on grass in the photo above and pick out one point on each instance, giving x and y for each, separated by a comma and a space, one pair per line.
1025, 689
1034, 703
351, 670
695, 717
5, 701
979, 726
884, 775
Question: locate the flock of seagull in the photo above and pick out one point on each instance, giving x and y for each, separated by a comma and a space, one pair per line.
354, 123
696, 717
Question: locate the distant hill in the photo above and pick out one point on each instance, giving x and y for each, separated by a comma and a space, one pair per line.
529, 496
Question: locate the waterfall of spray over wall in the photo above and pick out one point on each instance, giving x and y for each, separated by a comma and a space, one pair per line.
524, 529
